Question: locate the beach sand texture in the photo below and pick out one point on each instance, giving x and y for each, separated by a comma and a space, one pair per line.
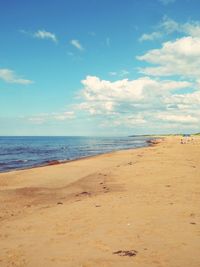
138, 207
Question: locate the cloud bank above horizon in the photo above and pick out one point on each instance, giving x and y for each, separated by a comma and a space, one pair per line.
159, 97
157, 91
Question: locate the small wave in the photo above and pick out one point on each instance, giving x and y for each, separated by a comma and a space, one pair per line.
64, 160
16, 161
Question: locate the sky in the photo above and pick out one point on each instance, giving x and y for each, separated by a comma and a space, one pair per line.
99, 67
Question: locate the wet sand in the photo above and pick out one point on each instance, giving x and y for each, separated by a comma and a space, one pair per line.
135, 208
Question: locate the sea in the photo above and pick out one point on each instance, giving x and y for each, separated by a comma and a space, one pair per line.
27, 152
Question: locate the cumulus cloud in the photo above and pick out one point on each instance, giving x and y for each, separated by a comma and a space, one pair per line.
10, 76
134, 90
152, 99
185, 100
128, 102
168, 94
77, 44
42, 34
102, 90
179, 57
192, 29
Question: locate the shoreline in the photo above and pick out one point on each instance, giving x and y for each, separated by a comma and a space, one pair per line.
149, 142
116, 209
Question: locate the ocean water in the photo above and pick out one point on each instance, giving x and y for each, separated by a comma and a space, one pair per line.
25, 152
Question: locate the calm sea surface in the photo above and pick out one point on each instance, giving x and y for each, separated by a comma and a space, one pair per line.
26, 152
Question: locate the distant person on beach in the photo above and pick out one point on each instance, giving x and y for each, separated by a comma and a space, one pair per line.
186, 139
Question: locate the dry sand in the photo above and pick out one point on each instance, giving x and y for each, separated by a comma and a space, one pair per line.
137, 208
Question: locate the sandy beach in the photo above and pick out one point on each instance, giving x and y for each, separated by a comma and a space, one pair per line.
137, 207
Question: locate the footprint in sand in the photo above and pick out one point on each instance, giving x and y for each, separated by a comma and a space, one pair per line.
15, 258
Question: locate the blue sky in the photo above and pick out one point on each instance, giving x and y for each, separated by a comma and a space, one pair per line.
90, 67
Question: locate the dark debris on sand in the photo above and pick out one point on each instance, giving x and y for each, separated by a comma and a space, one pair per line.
128, 253
84, 193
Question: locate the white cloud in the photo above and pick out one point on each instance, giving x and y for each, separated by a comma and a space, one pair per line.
180, 57
112, 73
178, 118
191, 28
134, 90
150, 37
42, 34
55, 116
165, 103
130, 121
77, 44
185, 100
97, 107
124, 121
169, 26
9, 76
64, 116
121, 73
124, 73
96, 89
184, 108
127, 102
